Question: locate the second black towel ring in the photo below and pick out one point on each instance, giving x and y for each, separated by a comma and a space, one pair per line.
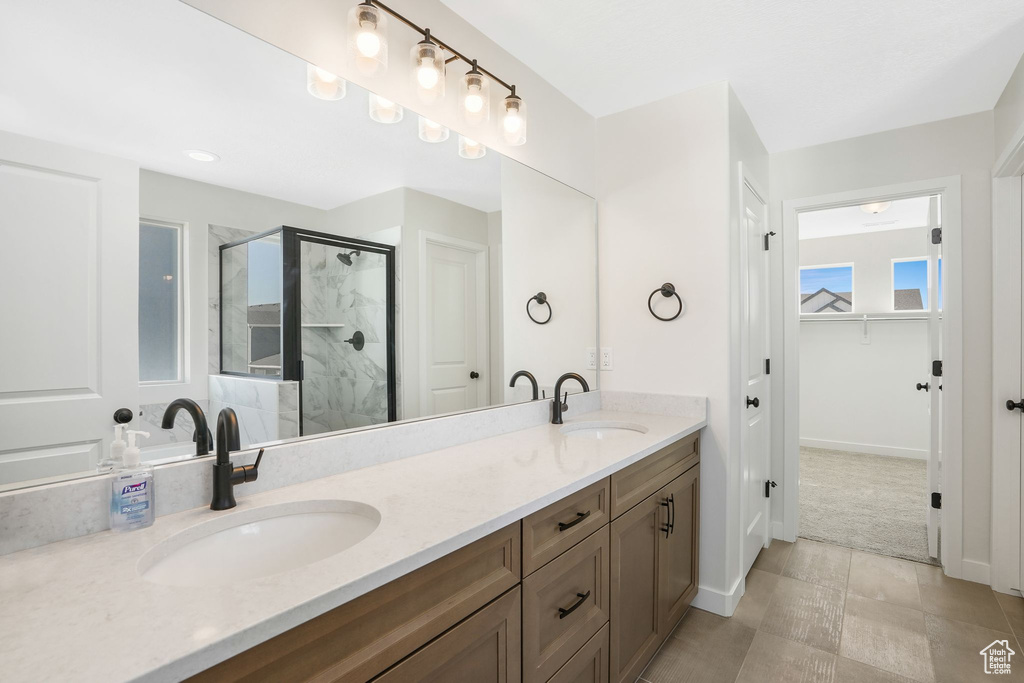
540, 298
666, 290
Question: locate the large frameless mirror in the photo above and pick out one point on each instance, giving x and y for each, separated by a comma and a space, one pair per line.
255, 236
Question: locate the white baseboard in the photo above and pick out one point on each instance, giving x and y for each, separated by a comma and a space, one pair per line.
779, 532
978, 572
717, 602
870, 449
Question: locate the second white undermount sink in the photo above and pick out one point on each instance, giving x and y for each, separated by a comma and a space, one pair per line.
258, 542
603, 429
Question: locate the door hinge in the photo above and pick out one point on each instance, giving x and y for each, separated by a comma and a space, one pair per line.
302, 370
768, 486
767, 240
767, 366
936, 235
936, 500
936, 368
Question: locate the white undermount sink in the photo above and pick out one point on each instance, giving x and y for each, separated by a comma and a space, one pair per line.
259, 542
603, 430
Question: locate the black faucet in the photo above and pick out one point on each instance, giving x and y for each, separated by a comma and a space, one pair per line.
529, 376
202, 435
558, 405
225, 475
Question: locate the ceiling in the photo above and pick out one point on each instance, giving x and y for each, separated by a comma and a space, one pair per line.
806, 72
147, 79
852, 220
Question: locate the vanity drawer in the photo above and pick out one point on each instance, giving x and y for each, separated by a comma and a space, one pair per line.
549, 532
589, 665
358, 640
565, 603
634, 483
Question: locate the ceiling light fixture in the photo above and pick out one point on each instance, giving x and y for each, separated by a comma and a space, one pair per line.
368, 41
324, 85
368, 37
875, 207
470, 148
200, 155
431, 131
383, 110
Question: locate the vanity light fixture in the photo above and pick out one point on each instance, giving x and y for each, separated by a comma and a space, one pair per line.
431, 131
368, 37
383, 110
875, 207
324, 85
470, 148
368, 42
200, 155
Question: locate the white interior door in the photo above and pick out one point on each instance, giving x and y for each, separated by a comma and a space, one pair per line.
453, 334
69, 277
755, 438
935, 393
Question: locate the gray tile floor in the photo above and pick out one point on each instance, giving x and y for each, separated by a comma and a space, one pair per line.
814, 612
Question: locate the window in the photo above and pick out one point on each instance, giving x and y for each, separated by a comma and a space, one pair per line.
160, 309
910, 284
826, 289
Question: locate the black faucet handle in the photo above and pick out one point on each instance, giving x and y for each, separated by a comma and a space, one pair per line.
565, 401
252, 472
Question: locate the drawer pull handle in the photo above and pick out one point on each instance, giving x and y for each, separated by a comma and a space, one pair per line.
563, 612
672, 521
580, 516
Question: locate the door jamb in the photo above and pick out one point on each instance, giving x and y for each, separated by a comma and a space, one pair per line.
951, 527
483, 342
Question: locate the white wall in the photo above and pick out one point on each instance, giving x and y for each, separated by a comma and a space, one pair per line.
561, 135
960, 146
1009, 110
667, 185
858, 393
550, 245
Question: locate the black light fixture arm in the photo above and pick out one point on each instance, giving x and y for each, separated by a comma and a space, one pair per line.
425, 32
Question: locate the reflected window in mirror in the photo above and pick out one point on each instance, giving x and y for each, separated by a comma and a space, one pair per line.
160, 302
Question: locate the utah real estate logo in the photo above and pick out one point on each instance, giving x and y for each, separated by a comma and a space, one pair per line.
997, 657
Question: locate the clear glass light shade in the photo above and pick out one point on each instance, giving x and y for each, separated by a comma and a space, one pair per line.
875, 207
431, 131
475, 98
470, 148
383, 110
368, 38
428, 71
323, 84
513, 121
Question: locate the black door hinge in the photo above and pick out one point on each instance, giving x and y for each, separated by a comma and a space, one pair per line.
936, 500
767, 240
936, 235
936, 368
767, 366
768, 486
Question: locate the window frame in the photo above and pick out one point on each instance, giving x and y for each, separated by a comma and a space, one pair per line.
182, 290
853, 288
926, 302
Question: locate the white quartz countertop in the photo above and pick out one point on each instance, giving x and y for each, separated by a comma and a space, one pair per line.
78, 609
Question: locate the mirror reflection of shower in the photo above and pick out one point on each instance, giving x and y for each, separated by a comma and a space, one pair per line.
347, 258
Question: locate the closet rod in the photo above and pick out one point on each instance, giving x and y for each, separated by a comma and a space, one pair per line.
864, 319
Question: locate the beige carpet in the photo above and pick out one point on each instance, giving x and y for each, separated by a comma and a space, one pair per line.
873, 503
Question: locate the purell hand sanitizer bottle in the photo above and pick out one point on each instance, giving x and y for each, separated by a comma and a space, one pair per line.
131, 490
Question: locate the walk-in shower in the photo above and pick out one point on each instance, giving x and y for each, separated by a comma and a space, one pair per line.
293, 302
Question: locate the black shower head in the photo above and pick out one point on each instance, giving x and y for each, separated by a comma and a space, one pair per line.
347, 258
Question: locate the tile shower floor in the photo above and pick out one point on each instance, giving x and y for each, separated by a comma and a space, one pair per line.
817, 612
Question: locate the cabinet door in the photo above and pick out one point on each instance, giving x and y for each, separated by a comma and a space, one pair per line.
678, 554
483, 649
634, 588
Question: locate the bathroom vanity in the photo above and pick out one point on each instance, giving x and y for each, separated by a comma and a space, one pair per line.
585, 589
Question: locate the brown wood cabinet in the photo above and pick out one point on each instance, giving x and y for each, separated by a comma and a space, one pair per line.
582, 591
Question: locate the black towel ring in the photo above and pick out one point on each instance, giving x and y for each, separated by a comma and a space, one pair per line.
540, 298
666, 290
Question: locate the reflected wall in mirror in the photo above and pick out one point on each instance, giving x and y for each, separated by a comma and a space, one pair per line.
193, 223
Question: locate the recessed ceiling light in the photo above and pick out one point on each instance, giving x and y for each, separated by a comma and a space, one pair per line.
201, 155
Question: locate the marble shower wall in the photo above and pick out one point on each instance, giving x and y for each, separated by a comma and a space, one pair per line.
236, 282
267, 409
343, 388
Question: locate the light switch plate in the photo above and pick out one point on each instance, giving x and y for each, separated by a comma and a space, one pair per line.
607, 362
591, 358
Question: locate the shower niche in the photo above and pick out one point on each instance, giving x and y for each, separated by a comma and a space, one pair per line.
318, 309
